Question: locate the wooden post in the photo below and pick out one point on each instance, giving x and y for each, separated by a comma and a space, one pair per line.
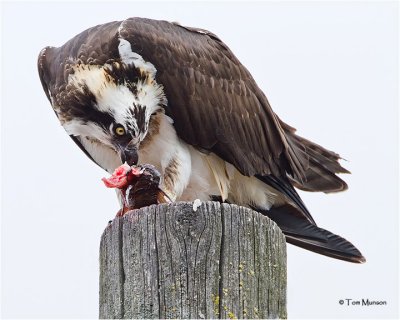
169, 261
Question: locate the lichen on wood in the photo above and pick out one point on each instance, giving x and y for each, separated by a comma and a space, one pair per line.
168, 261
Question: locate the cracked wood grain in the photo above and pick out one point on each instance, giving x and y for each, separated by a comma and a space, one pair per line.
167, 261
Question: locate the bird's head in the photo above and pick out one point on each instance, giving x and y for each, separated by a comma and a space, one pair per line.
110, 104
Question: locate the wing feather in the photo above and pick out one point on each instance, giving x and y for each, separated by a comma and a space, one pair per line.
215, 103
213, 100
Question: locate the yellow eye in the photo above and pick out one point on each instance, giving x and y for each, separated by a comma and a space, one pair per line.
120, 131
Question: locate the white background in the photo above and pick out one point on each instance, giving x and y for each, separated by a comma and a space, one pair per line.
329, 69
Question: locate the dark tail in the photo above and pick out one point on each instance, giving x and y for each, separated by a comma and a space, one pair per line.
301, 232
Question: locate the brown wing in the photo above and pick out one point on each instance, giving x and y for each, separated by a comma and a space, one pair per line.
322, 165
212, 98
215, 103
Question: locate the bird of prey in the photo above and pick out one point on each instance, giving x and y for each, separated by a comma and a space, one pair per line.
146, 91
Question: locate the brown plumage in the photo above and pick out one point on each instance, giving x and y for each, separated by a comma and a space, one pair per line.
251, 136
216, 107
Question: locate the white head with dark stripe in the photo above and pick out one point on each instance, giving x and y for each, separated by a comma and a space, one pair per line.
111, 104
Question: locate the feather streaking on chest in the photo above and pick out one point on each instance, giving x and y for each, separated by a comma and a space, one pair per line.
177, 97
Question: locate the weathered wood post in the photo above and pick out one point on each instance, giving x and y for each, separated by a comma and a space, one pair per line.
169, 261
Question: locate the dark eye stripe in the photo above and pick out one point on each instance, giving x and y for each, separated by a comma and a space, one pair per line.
104, 119
81, 104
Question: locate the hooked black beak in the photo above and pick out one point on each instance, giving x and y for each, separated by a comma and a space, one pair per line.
129, 155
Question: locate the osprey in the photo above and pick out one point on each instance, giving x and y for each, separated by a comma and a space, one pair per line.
145, 91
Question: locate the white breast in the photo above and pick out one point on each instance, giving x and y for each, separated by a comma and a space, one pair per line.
207, 174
